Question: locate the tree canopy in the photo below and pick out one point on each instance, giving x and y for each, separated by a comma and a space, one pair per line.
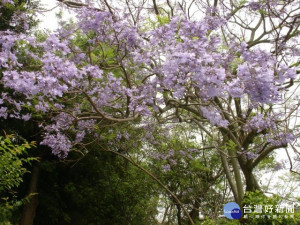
124, 70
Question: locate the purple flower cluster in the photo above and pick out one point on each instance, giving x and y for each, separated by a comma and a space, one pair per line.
166, 168
254, 5
123, 71
174, 158
259, 123
280, 138
214, 116
59, 143
7, 1
3, 112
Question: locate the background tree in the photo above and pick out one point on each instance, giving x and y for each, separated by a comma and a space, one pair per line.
101, 188
178, 160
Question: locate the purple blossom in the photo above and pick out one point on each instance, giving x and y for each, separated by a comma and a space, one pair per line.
236, 88
182, 153
23, 82
3, 112
118, 136
254, 6
42, 106
286, 73
26, 117
126, 135
92, 71
214, 116
281, 138
173, 162
156, 156
172, 65
166, 168
278, 166
59, 144
259, 123
190, 156
193, 150
7, 1
251, 155
79, 136
171, 153
62, 121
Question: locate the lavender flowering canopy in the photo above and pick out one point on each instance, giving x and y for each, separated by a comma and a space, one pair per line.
108, 68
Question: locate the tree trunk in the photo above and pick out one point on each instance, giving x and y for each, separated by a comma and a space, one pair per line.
29, 208
237, 175
178, 214
251, 182
195, 211
229, 177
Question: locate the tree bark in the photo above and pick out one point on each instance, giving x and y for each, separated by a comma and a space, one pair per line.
178, 214
237, 175
229, 177
251, 182
29, 208
195, 211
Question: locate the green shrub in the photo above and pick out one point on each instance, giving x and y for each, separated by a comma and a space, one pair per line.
13, 158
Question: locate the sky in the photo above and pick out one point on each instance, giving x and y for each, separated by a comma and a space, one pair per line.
48, 17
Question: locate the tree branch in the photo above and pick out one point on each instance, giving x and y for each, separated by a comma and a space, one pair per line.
262, 155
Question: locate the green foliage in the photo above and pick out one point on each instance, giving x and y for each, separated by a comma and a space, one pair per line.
243, 2
220, 221
101, 188
187, 170
157, 22
12, 162
13, 158
230, 145
267, 162
273, 217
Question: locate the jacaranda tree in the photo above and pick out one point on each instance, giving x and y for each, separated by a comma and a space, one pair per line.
229, 67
